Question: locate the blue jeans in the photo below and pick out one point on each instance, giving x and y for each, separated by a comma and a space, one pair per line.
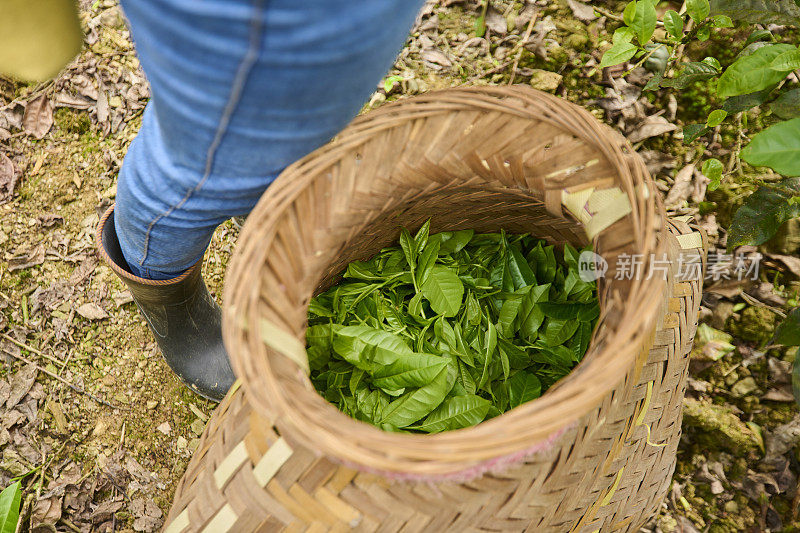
240, 90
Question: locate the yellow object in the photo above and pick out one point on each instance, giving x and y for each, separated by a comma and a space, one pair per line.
38, 37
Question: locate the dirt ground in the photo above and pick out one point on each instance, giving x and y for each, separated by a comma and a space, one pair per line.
100, 430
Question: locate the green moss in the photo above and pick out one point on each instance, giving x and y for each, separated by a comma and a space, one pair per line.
718, 428
72, 121
728, 198
755, 324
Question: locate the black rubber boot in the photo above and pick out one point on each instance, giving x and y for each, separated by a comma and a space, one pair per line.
184, 318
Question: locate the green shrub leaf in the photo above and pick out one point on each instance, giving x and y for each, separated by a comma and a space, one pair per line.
788, 331
777, 147
692, 132
644, 20
753, 72
787, 61
743, 102
10, 500
783, 12
787, 105
691, 73
673, 23
716, 117
698, 9
712, 169
620, 52
762, 213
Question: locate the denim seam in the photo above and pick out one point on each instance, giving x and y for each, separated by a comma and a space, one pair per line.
239, 81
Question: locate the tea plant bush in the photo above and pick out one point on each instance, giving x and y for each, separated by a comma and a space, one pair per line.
756, 78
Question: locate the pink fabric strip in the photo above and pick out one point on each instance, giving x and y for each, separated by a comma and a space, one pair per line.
494, 466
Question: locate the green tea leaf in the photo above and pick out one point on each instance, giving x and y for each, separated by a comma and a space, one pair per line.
416, 404
426, 260
466, 379
421, 238
557, 331
444, 290
508, 313
570, 310
523, 387
452, 242
409, 248
763, 212
530, 316
455, 413
758, 35
777, 147
411, 370
521, 273
629, 13
364, 346
752, 73
545, 261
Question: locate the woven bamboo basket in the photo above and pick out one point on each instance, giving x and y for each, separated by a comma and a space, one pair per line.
596, 452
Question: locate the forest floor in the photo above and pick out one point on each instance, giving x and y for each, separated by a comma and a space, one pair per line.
105, 452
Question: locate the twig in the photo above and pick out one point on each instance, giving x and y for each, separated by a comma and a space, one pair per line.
62, 380
492, 70
69, 524
758, 303
608, 14
521, 44
31, 349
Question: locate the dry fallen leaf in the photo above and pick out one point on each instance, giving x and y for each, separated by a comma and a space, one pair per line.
495, 21
46, 512
681, 188
652, 126
92, 311
782, 439
28, 259
791, 262
21, 383
582, 11
146, 514
783, 394
8, 178
436, 57
49, 220
38, 118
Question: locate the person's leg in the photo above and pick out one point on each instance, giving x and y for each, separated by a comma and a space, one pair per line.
240, 90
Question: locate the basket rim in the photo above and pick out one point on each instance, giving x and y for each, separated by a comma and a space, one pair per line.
449, 452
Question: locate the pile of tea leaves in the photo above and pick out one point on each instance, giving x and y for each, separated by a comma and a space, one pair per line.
448, 330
